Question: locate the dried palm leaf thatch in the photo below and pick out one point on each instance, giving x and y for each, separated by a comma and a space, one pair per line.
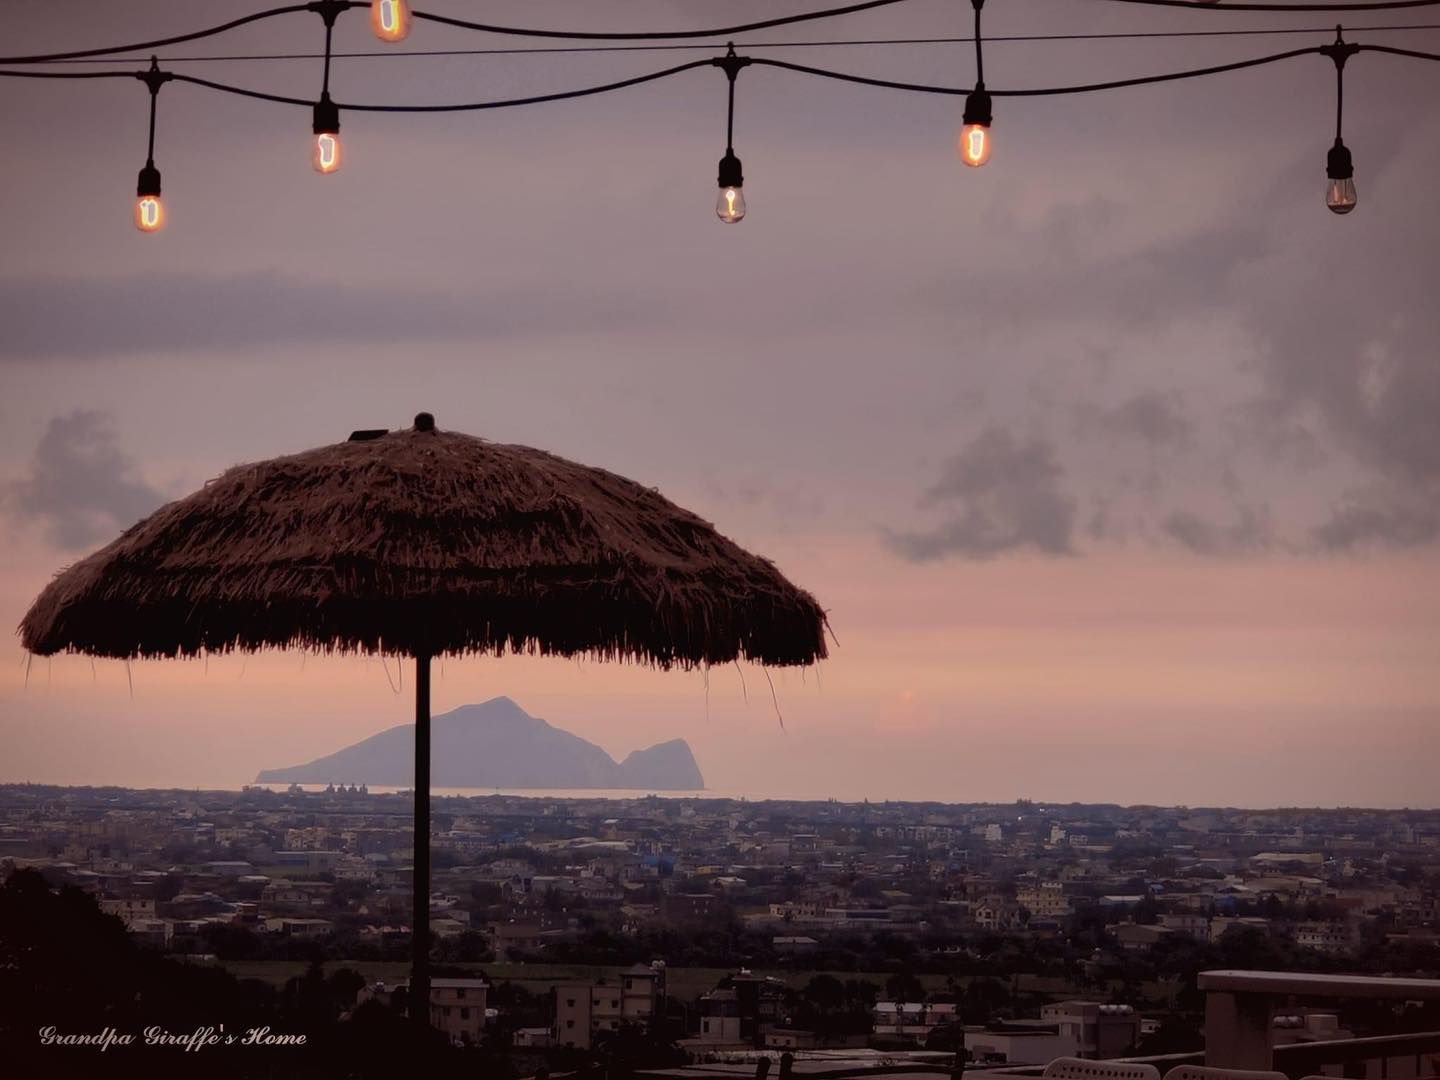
424, 542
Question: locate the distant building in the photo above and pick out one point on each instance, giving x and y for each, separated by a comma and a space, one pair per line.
583, 1010
904, 1021
1098, 1031
1018, 1044
457, 1006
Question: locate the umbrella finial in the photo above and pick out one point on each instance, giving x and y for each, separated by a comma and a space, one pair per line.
424, 421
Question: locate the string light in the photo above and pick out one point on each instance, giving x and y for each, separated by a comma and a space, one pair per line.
975, 132
325, 154
1339, 167
975, 143
390, 19
730, 203
149, 209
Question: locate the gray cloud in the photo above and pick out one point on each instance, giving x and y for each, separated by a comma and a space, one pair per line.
1154, 417
1382, 518
81, 489
1250, 531
1009, 497
183, 313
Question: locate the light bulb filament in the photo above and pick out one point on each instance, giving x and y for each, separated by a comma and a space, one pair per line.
327, 152
389, 16
149, 213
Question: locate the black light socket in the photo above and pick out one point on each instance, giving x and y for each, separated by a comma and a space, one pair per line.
149, 184
1338, 164
977, 107
730, 174
327, 116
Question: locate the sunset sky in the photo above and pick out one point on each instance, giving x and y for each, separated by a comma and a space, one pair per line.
1116, 463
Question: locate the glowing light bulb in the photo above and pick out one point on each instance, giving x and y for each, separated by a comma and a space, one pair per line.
327, 152
149, 210
975, 144
730, 204
975, 135
326, 156
1340, 183
149, 213
390, 19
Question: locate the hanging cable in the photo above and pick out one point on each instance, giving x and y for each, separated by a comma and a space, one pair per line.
397, 21
1344, 5
149, 210
159, 43
561, 50
975, 134
1043, 91
730, 203
1339, 167
668, 35
758, 61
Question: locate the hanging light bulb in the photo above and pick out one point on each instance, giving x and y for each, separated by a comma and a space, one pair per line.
975, 135
730, 205
390, 19
326, 156
149, 210
1340, 187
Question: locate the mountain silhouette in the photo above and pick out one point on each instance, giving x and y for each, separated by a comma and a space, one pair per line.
497, 744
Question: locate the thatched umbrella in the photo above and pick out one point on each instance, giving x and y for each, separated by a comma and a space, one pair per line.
426, 543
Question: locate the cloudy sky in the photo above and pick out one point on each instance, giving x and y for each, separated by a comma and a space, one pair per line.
1116, 462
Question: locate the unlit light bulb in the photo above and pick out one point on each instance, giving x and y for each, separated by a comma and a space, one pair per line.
730, 206
1340, 195
390, 19
1340, 183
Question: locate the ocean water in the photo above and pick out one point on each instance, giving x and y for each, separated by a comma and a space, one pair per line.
528, 793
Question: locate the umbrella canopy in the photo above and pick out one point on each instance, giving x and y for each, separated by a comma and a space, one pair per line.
427, 542
424, 543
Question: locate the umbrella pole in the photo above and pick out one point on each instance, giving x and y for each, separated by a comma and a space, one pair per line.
420, 889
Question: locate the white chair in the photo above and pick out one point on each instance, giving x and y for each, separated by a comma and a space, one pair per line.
1207, 1072
1069, 1068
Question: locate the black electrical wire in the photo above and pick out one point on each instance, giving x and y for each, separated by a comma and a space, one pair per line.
145, 46
400, 54
723, 31
759, 61
783, 20
667, 35
837, 42
1393, 51
1343, 5
464, 107
1048, 91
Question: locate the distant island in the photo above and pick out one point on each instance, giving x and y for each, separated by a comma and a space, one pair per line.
498, 744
